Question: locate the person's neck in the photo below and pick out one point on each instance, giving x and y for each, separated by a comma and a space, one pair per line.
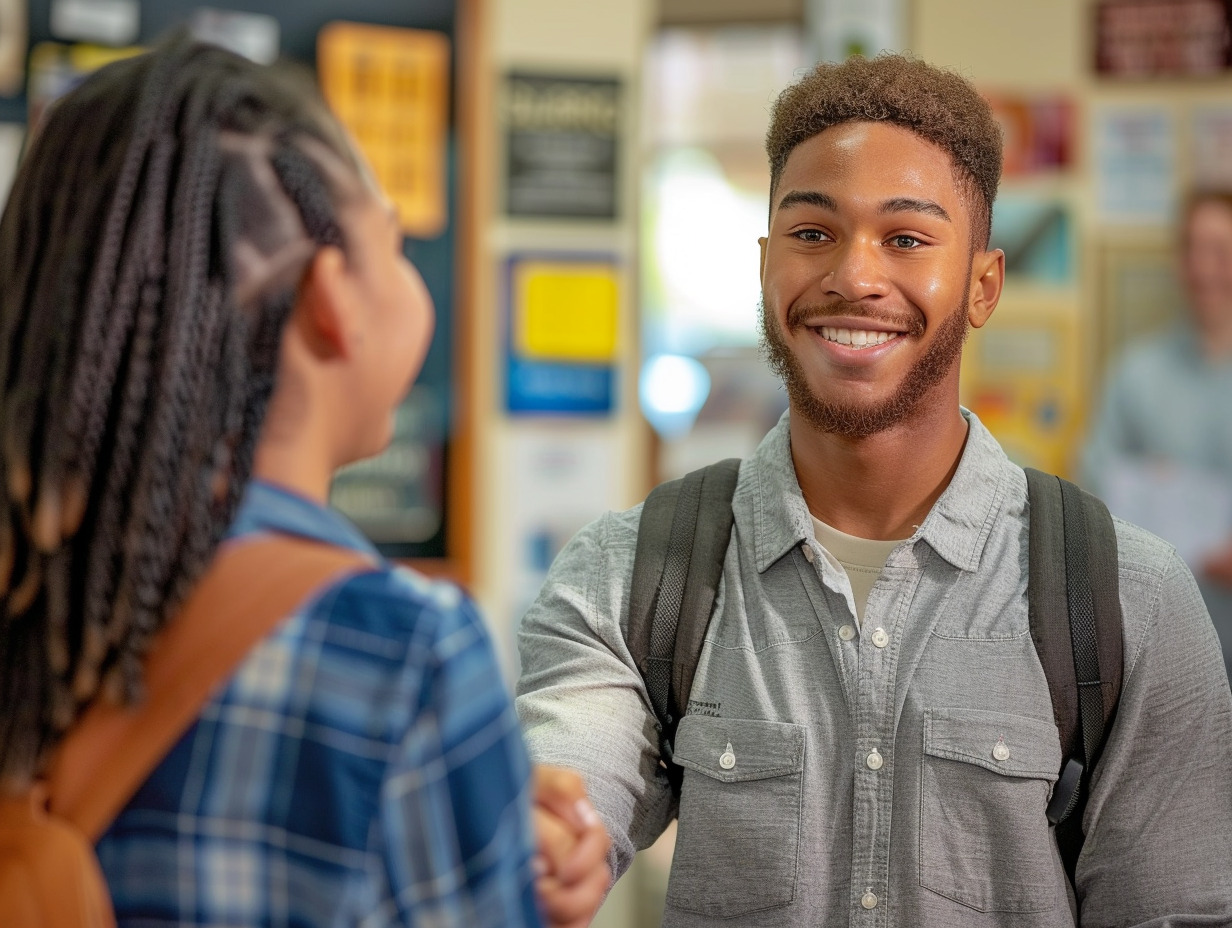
298, 463
882, 486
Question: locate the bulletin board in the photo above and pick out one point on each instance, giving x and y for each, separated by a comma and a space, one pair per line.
409, 500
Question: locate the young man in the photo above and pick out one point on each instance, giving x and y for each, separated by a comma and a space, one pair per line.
870, 735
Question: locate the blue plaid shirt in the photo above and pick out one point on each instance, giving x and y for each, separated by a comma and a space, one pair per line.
362, 767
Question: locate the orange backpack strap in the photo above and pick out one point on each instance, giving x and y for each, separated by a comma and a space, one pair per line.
248, 588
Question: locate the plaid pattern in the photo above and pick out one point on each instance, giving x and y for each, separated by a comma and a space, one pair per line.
362, 768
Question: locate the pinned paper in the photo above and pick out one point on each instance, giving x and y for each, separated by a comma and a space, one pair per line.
566, 311
107, 22
390, 88
13, 36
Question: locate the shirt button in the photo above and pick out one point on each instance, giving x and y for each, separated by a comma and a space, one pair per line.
874, 761
880, 638
808, 554
869, 900
727, 759
1000, 751
846, 632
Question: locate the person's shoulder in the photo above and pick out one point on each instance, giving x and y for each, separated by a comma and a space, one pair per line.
399, 605
1143, 554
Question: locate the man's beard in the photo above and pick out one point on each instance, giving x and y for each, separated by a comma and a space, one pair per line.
860, 420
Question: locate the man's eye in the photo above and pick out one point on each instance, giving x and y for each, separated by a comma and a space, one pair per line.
811, 235
905, 241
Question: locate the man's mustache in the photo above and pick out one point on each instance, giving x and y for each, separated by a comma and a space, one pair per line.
813, 314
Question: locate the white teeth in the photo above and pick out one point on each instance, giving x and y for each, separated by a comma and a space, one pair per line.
856, 338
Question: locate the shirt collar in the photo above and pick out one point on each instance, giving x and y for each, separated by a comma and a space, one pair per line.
957, 527
267, 507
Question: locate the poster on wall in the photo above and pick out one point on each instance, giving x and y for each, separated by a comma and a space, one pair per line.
390, 88
1038, 132
557, 479
1155, 38
562, 328
12, 136
397, 497
13, 38
561, 141
1135, 165
842, 28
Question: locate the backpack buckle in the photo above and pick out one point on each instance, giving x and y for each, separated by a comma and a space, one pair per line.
1065, 794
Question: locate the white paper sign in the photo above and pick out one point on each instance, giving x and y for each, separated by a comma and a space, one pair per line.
11, 137
107, 22
1189, 508
1135, 165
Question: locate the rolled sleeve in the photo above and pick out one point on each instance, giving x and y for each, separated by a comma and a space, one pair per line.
581, 700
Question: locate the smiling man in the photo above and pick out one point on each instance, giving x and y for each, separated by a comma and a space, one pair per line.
870, 738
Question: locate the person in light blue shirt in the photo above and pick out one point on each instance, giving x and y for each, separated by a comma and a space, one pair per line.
1168, 401
206, 311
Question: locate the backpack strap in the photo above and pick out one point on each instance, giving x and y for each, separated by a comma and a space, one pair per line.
247, 589
682, 541
1075, 615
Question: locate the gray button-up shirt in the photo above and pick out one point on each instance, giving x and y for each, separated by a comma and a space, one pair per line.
897, 778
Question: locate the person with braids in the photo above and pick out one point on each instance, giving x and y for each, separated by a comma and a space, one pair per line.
204, 311
851, 717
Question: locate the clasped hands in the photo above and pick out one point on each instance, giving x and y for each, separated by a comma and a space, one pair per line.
572, 872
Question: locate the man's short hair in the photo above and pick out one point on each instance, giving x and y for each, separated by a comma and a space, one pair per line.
935, 104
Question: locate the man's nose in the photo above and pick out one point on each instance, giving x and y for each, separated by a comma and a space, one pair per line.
857, 271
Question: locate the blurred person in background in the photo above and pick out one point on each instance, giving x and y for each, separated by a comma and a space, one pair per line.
870, 736
205, 310
1167, 403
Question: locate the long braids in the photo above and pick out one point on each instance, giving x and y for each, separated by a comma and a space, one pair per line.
138, 353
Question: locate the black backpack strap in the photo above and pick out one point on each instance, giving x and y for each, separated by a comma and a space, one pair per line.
682, 540
1075, 616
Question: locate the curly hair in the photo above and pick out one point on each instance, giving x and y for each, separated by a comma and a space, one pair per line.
937, 105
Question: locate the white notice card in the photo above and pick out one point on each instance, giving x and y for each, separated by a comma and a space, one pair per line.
1189, 508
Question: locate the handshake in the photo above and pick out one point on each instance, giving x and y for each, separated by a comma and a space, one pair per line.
571, 866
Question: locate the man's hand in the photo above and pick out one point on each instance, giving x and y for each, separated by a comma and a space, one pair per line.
574, 875
1217, 566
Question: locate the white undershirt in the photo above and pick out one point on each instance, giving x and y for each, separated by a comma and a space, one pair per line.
862, 558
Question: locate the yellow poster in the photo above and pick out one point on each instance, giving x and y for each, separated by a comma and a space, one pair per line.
1023, 376
390, 88
566, 311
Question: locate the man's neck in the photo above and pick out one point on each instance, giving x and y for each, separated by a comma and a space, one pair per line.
882, 486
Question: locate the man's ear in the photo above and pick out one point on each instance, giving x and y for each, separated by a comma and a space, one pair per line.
321, 304
762, 273
987, 281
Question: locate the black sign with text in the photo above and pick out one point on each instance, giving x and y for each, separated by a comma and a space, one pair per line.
561, 140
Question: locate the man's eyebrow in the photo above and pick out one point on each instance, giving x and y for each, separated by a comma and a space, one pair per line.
911, 205
808, 198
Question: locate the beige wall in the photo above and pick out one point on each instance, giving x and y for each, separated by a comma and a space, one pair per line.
550, 36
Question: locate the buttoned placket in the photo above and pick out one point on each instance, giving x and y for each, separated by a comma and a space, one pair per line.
868, 650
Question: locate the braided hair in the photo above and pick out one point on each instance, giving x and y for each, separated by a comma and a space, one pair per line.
149, 257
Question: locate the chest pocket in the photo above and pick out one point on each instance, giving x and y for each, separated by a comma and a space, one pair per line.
739, 815
984, 839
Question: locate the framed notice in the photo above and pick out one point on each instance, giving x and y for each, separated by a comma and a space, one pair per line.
390, 88
561, 139
563, 326
1152, 38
